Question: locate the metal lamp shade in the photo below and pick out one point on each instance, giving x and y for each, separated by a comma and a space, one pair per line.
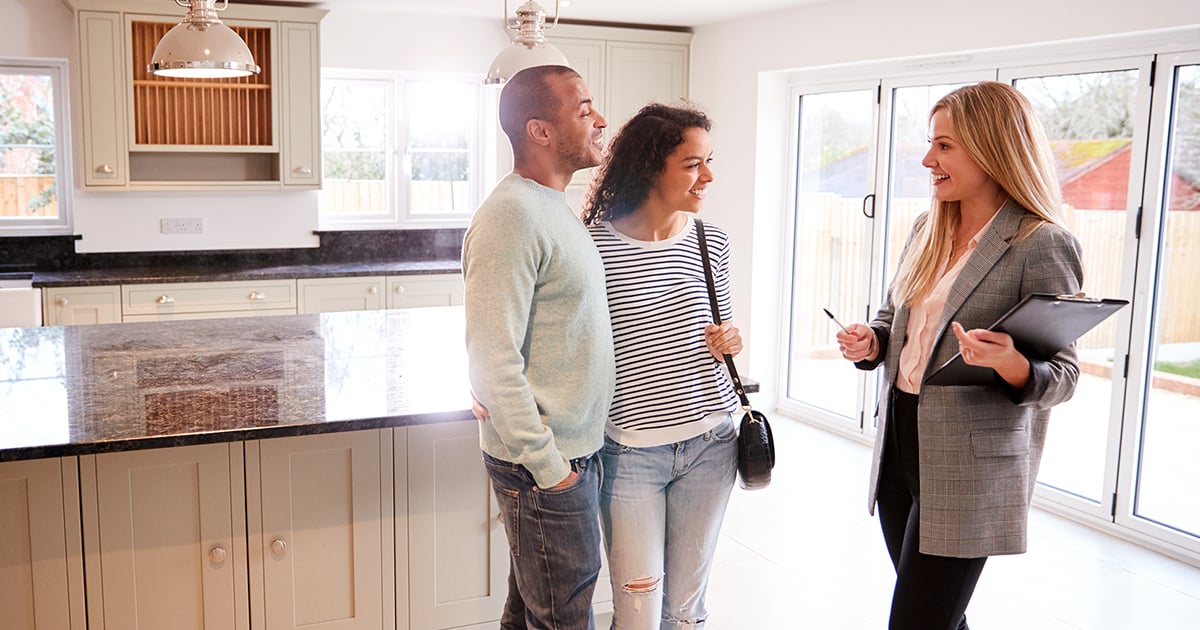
200, 51
518, 56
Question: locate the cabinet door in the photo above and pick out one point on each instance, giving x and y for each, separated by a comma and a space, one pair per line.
326, 295
63, 306
639, 73
322, 536
301, 155
35, 591
167, 526
417, 291
458, 553
102, 77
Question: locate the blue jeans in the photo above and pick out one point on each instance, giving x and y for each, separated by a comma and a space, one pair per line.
554, 545
661, 508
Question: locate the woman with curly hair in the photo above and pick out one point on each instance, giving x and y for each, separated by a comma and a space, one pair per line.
669, 455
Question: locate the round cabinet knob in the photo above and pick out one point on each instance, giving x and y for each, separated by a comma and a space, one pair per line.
373, 290
165, 299
104, 169
62, 301
399, 289
302, 170
217, 554
256, 295
278, 546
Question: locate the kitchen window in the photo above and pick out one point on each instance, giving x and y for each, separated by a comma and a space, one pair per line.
35, 181
400, 151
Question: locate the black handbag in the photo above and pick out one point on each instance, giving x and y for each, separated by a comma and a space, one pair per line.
756, 443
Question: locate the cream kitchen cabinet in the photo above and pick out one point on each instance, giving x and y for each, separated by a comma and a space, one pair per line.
268, 534
326, 295
165, 533
458, 552
625, 69
81, 305
457, 547
320, 531
425, 290
146, 132
41, 570
206, 300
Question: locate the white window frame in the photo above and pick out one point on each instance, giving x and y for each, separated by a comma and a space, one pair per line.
56, 69
398, 166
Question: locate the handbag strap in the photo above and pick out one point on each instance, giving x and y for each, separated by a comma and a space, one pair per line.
716, 311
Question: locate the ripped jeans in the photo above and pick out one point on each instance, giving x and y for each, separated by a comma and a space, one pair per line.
661, 508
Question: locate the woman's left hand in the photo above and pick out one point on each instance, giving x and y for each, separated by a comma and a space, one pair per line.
723, 339
989, 348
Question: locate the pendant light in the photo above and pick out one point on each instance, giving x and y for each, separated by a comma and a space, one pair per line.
201, 47
529, 48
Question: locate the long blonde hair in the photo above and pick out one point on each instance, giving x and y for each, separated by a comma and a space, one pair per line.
999, 129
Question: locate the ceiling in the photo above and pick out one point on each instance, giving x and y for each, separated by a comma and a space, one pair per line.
657, 12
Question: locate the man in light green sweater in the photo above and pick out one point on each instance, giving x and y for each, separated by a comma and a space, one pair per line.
539, 341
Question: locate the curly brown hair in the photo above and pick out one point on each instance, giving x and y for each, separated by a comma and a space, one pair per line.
635, 158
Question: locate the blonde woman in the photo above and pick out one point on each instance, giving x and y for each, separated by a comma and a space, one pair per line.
954, 468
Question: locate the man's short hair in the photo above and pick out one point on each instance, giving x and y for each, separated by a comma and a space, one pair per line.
527, 96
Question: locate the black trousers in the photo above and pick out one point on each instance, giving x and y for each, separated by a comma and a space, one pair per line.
932, 592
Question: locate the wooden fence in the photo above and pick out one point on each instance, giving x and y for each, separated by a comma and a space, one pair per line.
359, 196
17, 190
832, 233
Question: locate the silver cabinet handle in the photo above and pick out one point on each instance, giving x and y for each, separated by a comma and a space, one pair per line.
104, 169
217, 554
278, 546
258, 295
302, 170
165, 299
62, 301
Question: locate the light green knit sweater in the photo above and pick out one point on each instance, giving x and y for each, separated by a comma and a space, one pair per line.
539, 338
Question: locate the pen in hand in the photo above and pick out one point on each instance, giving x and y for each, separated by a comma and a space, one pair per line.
835, 320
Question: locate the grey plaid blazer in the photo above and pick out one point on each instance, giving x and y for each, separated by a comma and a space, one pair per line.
980, 446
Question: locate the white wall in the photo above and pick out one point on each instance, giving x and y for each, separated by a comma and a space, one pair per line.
129, 221
733, 59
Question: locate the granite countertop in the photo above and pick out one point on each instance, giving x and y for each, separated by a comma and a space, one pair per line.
203, 273
90, 389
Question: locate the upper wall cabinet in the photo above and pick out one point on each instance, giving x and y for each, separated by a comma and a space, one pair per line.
625, 68
142, 131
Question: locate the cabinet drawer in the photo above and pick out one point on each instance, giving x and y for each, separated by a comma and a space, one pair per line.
209, 297
425, 290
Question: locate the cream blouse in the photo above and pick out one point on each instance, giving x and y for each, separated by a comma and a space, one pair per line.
923, 321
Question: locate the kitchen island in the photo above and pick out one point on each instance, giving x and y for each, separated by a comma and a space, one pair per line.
270, 472
75, 390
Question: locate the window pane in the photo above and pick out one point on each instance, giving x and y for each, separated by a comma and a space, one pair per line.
832, 245
28, 186
354, 144
1089, 120
1169, 471
441, 123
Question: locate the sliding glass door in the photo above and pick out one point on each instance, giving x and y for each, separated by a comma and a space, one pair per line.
1089, 113
1125, 133
1159, 494
832, 246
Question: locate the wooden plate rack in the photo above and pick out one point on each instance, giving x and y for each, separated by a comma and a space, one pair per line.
188, 112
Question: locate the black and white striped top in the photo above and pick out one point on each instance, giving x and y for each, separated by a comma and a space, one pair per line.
669, 388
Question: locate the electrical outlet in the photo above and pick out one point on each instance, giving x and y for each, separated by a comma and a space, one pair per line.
179, 225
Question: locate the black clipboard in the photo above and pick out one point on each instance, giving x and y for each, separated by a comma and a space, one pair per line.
1040, 325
